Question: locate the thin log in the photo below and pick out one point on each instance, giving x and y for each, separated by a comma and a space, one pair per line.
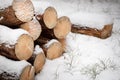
33, 27
38, 59
15, 70
19, 12
103, 33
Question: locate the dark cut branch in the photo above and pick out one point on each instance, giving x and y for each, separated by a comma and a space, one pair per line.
103, 33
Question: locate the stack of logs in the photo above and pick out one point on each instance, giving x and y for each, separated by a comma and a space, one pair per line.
46, 32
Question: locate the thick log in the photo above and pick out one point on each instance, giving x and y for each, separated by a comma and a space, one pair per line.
62, 28
19, 12
15, 43
33, 27
103, 33
50, 17
53, 49
15, 70
38, 59
20, 51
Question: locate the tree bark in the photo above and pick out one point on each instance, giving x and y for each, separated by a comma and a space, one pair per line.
102, 33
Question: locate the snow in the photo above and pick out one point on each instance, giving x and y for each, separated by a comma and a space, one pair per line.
12, 67
86, 57
47, 45
10, 36
38, 50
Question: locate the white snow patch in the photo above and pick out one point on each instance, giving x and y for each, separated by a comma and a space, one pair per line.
1, 17
47, 45
10, 36
38, 50
10, 66
5, 3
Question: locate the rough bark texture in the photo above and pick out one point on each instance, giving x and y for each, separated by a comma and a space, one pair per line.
8, 17
22, 50
100, 33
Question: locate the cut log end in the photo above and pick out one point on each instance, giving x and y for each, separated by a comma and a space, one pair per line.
24, 10
39, 62
33, 27
28, 73
106, 31
63, 27
54, 50
24, 47
50, 17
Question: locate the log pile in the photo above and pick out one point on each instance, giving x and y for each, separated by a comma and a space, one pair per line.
35, 37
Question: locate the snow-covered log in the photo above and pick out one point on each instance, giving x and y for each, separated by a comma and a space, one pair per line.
19, 12
15, 43
33, 27
15, 70
53, 49
63, 27
37, 59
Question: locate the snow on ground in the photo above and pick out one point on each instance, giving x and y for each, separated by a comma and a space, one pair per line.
86, 57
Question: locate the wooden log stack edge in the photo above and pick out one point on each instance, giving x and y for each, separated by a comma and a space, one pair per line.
35, 37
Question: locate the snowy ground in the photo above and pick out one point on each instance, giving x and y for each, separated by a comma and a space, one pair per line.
86, 57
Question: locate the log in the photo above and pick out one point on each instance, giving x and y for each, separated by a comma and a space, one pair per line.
37, 59
53, 49
46, 32
103, 33
62, 28
19, 12
18, 46
33, 27
106, 31
15, 70
50, 17
86, 30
